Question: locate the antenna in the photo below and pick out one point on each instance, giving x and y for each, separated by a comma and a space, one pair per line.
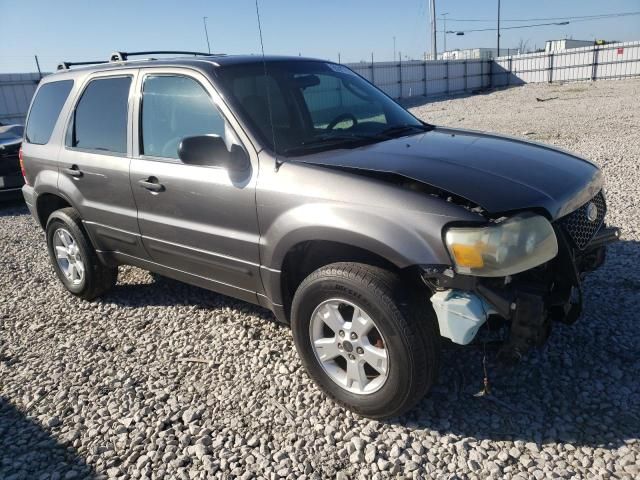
266, 84
204, 20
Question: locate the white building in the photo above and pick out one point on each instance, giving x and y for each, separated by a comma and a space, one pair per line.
564, 44
476, 53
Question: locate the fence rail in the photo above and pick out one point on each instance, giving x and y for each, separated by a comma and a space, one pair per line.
430, 78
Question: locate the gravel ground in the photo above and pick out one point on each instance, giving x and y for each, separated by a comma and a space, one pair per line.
160, 379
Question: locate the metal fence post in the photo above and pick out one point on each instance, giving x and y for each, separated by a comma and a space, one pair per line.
373, 68
550, 67
400, 74
594, 65
509, 74
447, 77
426, 71
465, 76
482, 85
491, 63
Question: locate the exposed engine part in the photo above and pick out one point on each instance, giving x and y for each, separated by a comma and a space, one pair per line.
529, 301
530, 326
460, 314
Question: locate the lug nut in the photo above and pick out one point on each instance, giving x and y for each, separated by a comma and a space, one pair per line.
339, 346
352, 356
360, 350
353, 335
341, 333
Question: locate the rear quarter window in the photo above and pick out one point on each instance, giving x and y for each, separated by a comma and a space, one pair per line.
45, 110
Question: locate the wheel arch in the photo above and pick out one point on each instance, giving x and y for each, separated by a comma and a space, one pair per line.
47, 203
306, 256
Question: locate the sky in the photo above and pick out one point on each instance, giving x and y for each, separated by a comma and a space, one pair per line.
75, 30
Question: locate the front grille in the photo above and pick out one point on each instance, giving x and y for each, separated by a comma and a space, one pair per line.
577, 224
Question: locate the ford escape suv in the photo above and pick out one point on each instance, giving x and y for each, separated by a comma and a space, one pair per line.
295, 184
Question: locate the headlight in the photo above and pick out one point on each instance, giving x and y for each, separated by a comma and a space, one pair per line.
512, 246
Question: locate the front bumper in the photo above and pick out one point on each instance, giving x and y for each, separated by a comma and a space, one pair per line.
529, 302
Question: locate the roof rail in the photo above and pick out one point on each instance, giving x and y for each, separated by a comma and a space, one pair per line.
66, 65
123, 56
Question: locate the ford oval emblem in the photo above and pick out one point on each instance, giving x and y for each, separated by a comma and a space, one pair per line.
592, 212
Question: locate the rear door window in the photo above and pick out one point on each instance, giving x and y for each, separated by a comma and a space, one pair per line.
100, 119
45, 110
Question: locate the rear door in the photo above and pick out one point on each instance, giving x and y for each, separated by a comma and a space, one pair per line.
196, 219
95, 161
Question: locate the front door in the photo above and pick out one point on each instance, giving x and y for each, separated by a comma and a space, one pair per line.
194, 219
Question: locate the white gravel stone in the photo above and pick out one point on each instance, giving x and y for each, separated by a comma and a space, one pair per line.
98, 389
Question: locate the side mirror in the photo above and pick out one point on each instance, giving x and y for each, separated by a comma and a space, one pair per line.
204, 150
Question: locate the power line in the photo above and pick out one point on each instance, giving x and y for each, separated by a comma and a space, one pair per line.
573, 18
509, 28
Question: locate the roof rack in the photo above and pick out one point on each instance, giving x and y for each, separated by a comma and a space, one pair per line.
123, 56
66, 65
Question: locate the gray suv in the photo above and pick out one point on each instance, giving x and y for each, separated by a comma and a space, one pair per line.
295, 184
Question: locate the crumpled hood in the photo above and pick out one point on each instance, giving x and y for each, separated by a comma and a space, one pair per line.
500, 174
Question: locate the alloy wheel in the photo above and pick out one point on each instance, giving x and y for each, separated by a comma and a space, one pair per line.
68, 256
349, 346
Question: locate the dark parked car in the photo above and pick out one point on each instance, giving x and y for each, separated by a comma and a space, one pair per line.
297, 185
11, 180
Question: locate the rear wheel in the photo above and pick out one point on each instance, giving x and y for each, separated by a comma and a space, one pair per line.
361, 341
73, 257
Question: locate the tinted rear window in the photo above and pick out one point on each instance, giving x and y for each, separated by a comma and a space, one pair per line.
100, 119
45, 110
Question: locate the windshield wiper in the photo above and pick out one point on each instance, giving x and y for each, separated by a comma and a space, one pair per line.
339, 137
333, 140
403, 128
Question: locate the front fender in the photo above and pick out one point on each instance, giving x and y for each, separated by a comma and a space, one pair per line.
403, 239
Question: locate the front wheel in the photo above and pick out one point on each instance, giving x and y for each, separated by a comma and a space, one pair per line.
362, 342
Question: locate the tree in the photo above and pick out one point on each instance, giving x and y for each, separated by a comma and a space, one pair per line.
523, 46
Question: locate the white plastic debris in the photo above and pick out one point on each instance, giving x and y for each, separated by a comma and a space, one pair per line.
460, 314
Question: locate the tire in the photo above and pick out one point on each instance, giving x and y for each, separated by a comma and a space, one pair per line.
407, 332
96, 278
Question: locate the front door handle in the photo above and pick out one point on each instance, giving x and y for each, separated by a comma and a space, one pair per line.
151, 184
74, 171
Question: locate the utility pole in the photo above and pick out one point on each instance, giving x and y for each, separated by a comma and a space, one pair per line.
444, 31
204, 20
498, 50
434, 47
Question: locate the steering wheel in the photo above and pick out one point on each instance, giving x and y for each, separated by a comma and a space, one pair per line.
341, 118
170, 148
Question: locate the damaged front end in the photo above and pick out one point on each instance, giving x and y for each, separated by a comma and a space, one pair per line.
530, 301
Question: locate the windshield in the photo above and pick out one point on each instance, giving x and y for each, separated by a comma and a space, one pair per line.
313, 106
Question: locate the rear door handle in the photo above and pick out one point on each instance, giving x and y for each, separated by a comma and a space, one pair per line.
151, 184
74, 171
